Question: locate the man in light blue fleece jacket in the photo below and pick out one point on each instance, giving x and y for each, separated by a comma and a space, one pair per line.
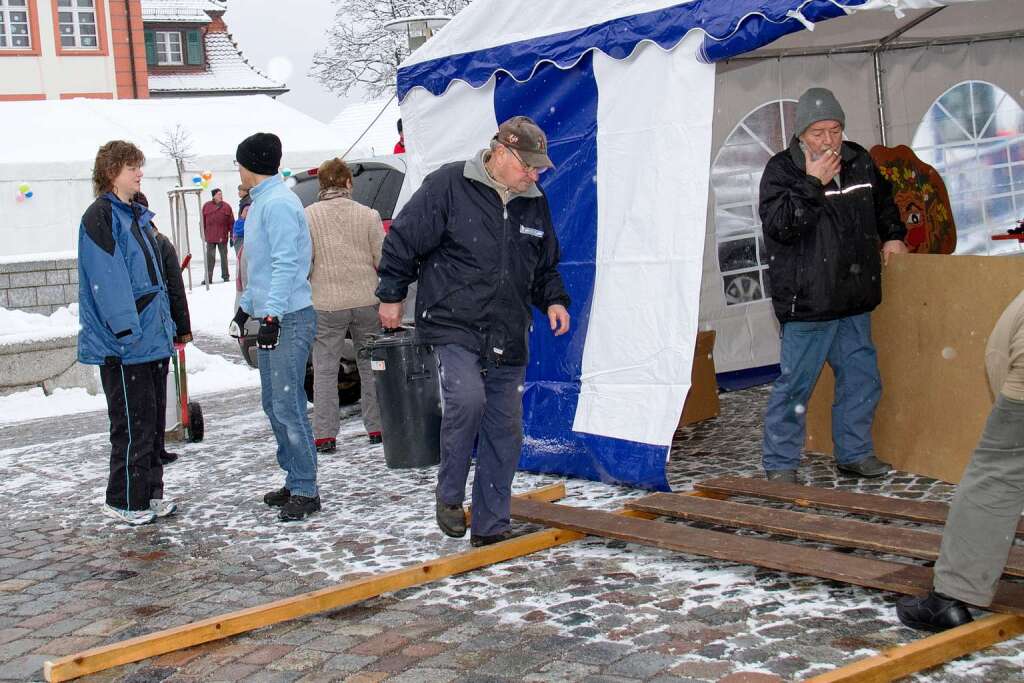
278, 253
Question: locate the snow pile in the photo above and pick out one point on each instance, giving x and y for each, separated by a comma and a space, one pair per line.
20, 327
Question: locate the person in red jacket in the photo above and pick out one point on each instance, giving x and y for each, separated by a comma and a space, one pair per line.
218, 220
400, 145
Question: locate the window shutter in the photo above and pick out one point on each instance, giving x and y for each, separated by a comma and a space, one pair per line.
150, 48
194, 48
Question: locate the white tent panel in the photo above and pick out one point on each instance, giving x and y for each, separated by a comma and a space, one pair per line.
650, 242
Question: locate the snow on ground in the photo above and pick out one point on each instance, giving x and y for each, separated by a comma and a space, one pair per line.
207, 373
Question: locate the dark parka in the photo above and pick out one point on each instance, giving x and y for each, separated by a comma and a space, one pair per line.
480, 264
824, 242
175, 287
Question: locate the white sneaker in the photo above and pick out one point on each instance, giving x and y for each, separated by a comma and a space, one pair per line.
133, 517
162, 507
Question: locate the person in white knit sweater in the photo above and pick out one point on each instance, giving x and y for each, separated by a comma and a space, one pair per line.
347, 238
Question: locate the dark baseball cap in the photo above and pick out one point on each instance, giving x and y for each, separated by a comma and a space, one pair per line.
523, 135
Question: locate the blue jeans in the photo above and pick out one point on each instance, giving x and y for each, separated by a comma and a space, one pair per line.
282, 379
846, 345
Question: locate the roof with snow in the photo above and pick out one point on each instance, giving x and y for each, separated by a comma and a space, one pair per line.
215, 126
227, 71
183, 11
369, 128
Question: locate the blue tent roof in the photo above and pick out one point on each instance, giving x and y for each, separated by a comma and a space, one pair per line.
731, 27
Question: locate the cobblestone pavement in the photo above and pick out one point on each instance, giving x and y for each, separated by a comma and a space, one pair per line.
593, 610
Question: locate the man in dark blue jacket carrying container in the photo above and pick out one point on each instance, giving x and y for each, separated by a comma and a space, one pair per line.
127, 330
478, 237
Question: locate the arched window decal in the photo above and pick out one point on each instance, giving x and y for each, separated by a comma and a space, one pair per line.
735, 180
973, 135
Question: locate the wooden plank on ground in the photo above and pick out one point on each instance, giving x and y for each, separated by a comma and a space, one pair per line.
902, 661
929, 512
859, 571
330, 598
807, 526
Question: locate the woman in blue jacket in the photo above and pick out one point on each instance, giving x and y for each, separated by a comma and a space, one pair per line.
127, 330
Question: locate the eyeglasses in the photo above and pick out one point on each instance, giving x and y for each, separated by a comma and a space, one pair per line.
526, 167
234, 162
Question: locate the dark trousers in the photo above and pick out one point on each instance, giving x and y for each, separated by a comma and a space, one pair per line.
485, 403
137, 404
211, 256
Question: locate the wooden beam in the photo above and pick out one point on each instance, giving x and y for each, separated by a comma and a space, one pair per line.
942, 647
330, 598
849, 533
925, 511
909, 579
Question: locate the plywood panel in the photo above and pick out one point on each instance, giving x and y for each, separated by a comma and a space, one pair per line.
930, 331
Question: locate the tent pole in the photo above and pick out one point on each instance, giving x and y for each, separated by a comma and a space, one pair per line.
876, 58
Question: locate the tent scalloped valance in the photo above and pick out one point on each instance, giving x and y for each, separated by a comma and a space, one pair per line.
731, 27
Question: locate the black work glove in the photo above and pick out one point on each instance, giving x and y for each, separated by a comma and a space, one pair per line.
237, 324
270, 329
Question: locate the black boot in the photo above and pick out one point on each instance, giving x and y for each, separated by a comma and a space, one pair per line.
933, 612
479, 541
278, 498
167, 458
451, 519
298, 508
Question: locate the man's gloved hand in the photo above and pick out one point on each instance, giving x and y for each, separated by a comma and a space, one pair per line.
270, 329
183, 339
238, 323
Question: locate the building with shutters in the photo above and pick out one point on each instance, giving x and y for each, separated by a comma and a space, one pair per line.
189, 52
122, 49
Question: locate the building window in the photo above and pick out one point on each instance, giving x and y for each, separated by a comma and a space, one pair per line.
76, 20
14, 25
735, 180
168, 48
974, 137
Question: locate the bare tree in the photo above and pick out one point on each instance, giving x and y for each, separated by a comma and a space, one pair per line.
177, 144
360, 52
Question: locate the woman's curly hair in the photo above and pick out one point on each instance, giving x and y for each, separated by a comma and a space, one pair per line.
110, 160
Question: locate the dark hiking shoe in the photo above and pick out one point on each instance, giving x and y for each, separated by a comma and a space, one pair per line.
865, 467
276, 499
451, 519
326, 445
167, 458
298, 508
782, 476
933, 612
375, 437
480, 541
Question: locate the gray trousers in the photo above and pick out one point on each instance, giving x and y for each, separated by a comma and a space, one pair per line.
485, 407
211, 257
331, 329
986, 509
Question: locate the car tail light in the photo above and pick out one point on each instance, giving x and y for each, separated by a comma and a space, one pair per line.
387, 225
313, 171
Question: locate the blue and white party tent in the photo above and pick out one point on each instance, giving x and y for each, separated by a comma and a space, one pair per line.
626, 91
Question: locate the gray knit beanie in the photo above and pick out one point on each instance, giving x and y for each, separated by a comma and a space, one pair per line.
818, 104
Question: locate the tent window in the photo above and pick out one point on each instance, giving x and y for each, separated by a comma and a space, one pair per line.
168, 48
973, 135
14, 33
735, 179
76, 21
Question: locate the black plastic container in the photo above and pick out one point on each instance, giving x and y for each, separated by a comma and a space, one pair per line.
409, 395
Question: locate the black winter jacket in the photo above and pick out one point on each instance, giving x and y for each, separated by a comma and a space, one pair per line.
824, 243
175, 287
479, 264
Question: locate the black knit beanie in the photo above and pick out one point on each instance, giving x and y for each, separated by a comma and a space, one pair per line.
260, 153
